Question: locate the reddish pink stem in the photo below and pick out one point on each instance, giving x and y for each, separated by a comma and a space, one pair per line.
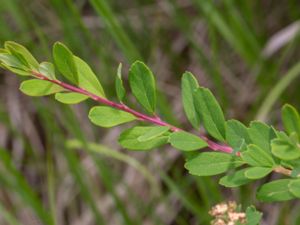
155, 120
215, 146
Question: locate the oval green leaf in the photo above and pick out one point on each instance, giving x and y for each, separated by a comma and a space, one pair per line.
277, 190
142, 84
129, 139
189, 85
153, 133
87, 79
235, 179
186, 142
22, 54
47, 69
285, 149
294, 187
257, 172
37, 87
255, 156
13, 64
237, 135
211, 113
120, 90
261, 135
70, 98
64, 61
291, 119
105, 116
211, 163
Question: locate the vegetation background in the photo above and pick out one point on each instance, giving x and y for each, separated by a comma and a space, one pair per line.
247, 52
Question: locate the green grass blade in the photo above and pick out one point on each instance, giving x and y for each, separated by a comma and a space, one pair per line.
103, 150
104, 10
275, 93
8, 217
19, 185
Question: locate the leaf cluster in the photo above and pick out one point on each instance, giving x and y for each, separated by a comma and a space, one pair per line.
255, 150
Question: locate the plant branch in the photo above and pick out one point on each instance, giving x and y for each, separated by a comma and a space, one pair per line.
154, 120
282, 170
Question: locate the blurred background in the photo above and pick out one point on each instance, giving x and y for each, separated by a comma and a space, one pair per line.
246, 52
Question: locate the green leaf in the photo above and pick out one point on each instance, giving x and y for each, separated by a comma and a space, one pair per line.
189, 85
153, 133
87, 79
186, 142
296, 170
291, 119
129, 139
235, 179
2, 50
284, 148
294, 187
255, 156
253, 217
211, 163
65, 63
105, 116
257, 172
70, 98
13, 64
237, 135
37, 87
11, 61
47, 69
120, 90
277, 190
142, 84
293, 137
261, 135
22, 54
16, 71
211, 113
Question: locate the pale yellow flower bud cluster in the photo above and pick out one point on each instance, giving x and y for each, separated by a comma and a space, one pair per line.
227, 214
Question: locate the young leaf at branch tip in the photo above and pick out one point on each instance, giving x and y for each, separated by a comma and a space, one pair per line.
87, 79
277, 190
11, 61
37, 87
64, 61
284, 148
257, 172
294, 187
153, 133
70, 98
189, 85
291, 119
142, 84
13, 64
235, 179
212, 163
261, 135
105, 116
129, 139
120, 90
211, 113
185, 141
47, 69
22, 54
255, 156
237, 135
